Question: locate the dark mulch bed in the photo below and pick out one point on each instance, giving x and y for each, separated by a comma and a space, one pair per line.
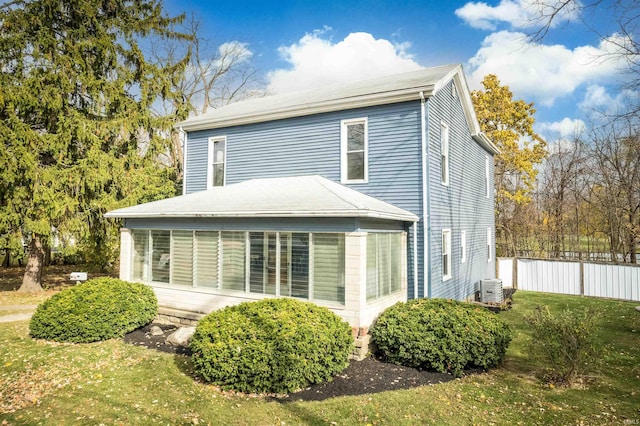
143, 337
360, 377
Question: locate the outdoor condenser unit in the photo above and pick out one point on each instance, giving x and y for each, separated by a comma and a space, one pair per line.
491, 291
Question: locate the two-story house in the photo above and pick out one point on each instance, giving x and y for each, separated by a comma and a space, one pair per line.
354, 197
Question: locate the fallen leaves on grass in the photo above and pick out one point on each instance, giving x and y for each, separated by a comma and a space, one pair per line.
19, 390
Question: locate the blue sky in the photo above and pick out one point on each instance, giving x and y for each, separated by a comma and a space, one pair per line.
298, 44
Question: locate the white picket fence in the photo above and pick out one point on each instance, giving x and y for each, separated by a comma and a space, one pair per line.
614, 281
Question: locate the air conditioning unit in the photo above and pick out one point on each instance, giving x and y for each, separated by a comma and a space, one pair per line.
491, 291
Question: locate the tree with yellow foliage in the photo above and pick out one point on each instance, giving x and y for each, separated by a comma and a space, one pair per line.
509, 124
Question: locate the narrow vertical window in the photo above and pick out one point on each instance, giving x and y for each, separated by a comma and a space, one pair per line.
328, 267
488, 244
444, 151
206, 259
160, 256
446, 254
463, 246
487, 182
217, 157
182, 257
354, 146
140, 270
233, 260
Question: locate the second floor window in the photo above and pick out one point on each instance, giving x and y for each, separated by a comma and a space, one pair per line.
446, 254
444, 151
217, 157
487, 177
354, 146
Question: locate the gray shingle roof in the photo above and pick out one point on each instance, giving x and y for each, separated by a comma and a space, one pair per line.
376, 91
301, 196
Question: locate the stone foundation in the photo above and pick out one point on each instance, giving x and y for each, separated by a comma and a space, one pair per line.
178, 317
362, 345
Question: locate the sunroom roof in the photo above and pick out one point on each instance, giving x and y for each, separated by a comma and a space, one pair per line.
300, 196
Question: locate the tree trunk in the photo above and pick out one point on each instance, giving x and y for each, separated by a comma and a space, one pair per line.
7, 258
32, 280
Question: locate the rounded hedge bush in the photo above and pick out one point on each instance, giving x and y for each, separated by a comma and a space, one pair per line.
270, 346
440, 334
99, 309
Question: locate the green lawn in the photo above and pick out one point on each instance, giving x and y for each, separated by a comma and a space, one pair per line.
114, 383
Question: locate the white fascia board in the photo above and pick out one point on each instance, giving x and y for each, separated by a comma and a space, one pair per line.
271, 214
373, 99
484, 141
469, 112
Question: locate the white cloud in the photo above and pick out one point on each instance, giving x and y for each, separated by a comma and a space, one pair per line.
542, 72
516, 13
567, 128
597, 99
316, 61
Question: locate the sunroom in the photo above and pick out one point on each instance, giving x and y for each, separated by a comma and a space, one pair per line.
302, 237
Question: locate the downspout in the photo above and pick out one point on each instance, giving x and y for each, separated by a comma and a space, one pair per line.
426, 199
183, 141
415, 260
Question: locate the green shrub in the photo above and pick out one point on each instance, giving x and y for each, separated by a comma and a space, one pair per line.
99, 309
271, 345
565, 342
439, 334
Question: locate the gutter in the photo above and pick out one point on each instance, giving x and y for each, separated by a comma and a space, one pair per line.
183, 140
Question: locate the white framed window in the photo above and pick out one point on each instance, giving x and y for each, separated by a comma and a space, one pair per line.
217, 157
446, 254
354, 142
384, 264
488, 245
487, 182
444, 154
293, 264
463, 246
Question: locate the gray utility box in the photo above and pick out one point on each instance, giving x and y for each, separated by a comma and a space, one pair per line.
491, 291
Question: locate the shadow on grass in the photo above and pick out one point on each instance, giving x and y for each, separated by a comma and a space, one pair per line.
54, 277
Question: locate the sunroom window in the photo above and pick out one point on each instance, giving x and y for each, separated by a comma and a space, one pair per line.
291, 264
384, 264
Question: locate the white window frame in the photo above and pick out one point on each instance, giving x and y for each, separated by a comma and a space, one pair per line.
444, 154
489, 245
487, 182
446, 250
210, 162
463, 246
344, 169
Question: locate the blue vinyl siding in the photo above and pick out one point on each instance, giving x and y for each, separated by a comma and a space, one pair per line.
311, 145
462, 205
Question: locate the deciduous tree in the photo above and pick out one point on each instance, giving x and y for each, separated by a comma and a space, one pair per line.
509, 124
